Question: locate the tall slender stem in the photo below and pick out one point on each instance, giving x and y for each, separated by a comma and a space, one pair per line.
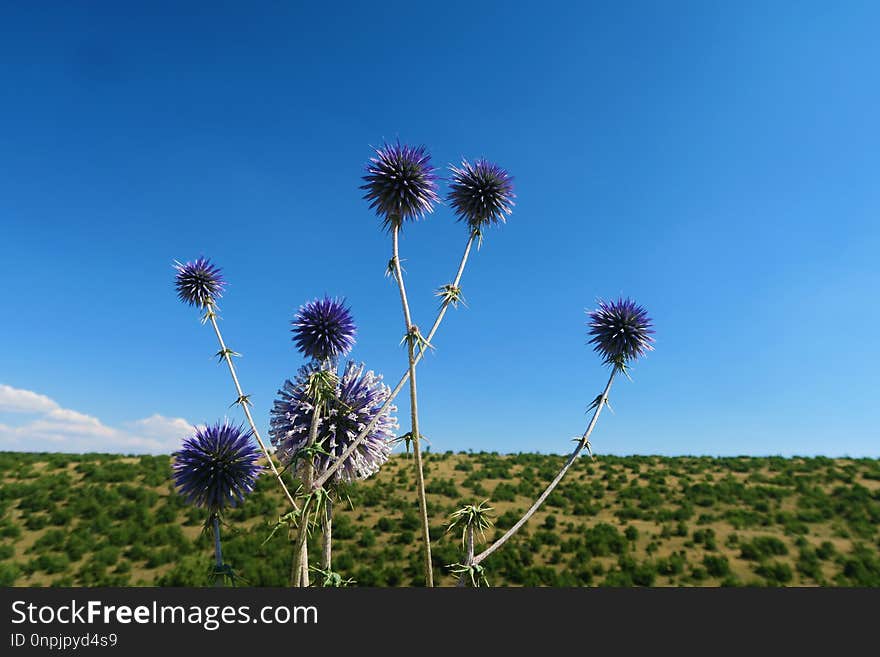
414, 409
327, 547
469, 555
367, 429
300, 566
244, 404
582, 443
218, 552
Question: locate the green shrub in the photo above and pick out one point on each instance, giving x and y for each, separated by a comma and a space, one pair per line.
367, 538
826, 550
775, 572
762, 547
716, 566
9, 572
504, 492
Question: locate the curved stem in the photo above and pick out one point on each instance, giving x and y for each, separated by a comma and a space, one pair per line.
371, 425
414, 409
244, 404
582, 443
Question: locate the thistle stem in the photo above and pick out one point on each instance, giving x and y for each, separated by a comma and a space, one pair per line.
414, 409
300, 564
469, 557
582, 443
326, 552
218, 552
241, 396
371, 425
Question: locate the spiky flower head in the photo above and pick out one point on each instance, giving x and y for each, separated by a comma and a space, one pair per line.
481, 193
621, 331
324, 329
401, 184
358, 398
199, 282
216, 467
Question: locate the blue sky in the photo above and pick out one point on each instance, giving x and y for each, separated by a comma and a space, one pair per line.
715, 161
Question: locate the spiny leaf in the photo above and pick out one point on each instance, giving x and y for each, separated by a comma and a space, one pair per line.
209, 313
595, 403
472, 515
289, 519
391, 269
243, 400
407, 439
450, 294
476, 572
322, 386
226, 352
414, 337
332, 579
478, 234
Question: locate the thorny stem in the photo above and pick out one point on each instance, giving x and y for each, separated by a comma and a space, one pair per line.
414, 409
367, 429
218, 552
469, 557
582, 443
241, 396
300, 566
326, 552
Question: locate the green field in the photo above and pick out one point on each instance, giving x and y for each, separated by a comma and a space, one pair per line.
105, 520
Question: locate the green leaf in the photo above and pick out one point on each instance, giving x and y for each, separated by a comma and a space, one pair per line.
243, 400
450, 294
227, 353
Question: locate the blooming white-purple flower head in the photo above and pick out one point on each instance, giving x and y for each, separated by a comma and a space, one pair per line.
358, 398
400, 183
324, 329
481, 193
216, 467
621, 331
199, 282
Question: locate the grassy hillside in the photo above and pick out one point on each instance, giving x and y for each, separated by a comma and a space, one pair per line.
90, 520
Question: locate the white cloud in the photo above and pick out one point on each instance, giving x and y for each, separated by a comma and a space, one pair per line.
16, 400
58, 429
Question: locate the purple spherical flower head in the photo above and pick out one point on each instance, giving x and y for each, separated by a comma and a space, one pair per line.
481, 193
199, 282
400, 183
324, 329
359, 396
216, 467
621, 331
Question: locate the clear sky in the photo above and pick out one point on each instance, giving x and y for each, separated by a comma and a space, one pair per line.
716, 161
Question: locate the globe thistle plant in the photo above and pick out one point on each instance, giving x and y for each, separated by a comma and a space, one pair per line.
324, 330
216, 467
359, 400
400, 183
481, 193
620, 331
199, 283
